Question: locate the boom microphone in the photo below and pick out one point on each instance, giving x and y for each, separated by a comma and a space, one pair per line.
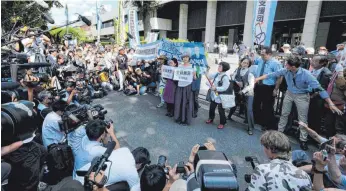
104, 157
42, 3
46, 17
84, 19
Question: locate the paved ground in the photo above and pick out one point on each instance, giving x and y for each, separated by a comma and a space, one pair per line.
139, 123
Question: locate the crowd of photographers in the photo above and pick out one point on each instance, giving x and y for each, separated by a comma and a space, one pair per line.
76, 148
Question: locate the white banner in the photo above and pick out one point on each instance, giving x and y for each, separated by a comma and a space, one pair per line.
152, 37
264, 13
167, 71
133, 29
147, 51
183, 74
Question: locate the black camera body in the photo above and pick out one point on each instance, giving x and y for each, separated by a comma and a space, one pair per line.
75, 116
254, 163
17, 121
213, 171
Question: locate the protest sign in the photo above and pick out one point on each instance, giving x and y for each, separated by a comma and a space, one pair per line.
178, 49
183, 74
133, 28
167, 71
147, 51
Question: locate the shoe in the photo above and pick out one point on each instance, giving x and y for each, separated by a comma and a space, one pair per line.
168, 114
230, 118
249, 132
160, 105
119, 90
183, 123
194, 116
220, 126
145, 94
157, 94
209, 121
178, 121
304, 145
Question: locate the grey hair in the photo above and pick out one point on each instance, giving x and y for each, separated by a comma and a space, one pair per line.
277, 142
44, 94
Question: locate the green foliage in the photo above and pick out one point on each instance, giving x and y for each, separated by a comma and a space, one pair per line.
78, 33
12, 11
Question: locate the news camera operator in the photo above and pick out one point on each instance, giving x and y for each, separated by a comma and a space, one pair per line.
51, 132
89, 147
280, 172
71, 91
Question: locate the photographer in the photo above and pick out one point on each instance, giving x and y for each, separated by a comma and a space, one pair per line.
275, 174
51, 132
70, 93
122, 167
45, 101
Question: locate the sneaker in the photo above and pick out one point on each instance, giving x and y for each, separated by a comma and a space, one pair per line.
250, 132
145, 94
160, 105
209, 121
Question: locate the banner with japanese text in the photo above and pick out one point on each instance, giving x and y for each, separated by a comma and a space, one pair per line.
264, 13
133, 29
177, 49
147, 51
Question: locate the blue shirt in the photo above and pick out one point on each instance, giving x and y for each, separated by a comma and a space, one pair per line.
83, 149
41, 107
51, 132
303, 82
272, 65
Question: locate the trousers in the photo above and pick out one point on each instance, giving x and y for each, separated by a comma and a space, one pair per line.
302, 103
263, 106
222, 114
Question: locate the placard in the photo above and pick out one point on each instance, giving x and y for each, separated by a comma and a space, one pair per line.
183, 74
167, 72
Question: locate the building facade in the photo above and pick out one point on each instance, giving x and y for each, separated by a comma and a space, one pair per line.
314, 23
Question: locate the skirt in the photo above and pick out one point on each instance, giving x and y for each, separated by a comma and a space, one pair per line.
184, 104
169, 92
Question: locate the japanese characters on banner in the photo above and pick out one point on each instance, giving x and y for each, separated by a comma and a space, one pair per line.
152, 37
167, 71
264, 13
133, 29
183, 74
175, 50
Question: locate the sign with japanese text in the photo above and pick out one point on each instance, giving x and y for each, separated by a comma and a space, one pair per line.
167, 72
133, 29
264, 13
183, 74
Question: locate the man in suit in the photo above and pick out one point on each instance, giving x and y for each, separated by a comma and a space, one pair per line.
316, 107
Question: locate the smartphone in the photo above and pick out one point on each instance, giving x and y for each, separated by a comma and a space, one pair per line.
180, 167
323, 146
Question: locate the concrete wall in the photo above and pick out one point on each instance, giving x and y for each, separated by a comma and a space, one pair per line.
160, 24
322, 34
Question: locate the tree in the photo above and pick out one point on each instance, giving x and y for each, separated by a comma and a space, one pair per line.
145, 9
78, 33
12, 11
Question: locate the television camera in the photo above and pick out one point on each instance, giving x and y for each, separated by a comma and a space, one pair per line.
75, 116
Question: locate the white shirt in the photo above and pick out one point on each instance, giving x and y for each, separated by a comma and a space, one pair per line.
279, 174
123, 168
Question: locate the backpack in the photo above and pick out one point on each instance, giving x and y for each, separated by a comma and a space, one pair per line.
60, 161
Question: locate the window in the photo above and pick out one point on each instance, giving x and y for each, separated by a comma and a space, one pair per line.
107, 24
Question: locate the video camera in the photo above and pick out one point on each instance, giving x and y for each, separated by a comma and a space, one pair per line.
213, 171
17, 121
74, 116
254, 163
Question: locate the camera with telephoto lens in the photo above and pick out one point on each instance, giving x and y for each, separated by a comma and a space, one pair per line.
254, 163
161, 161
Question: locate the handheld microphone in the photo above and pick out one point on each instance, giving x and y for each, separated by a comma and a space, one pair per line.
104, 157
46, 17
84, 19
